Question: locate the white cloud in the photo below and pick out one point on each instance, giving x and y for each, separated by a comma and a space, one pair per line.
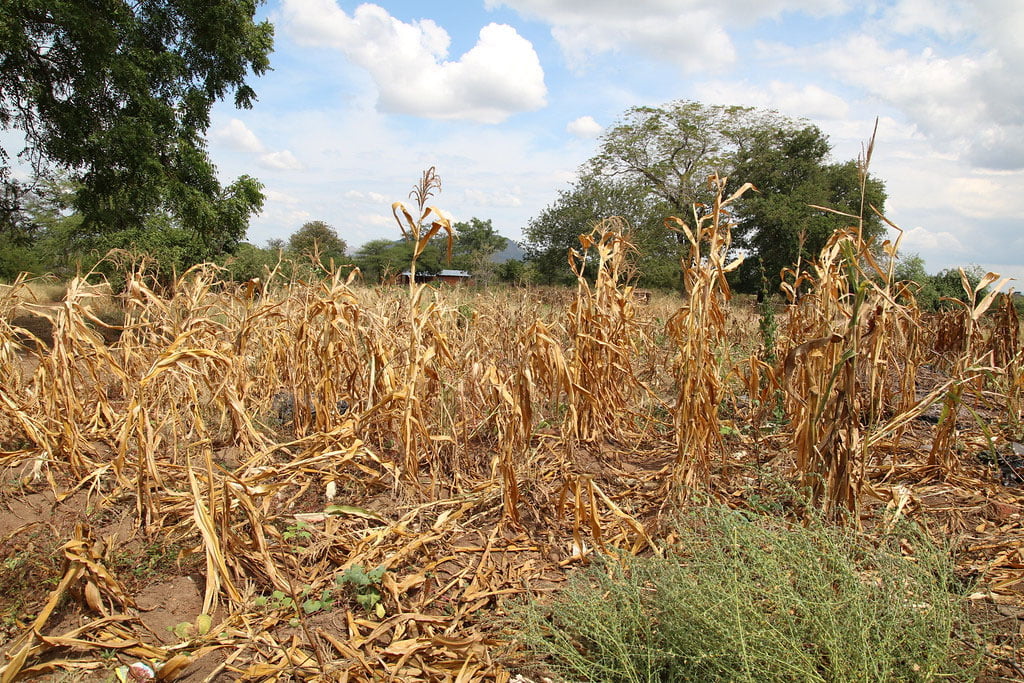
236, 135
377, 220
282, 197
495, 198
286, 219
372, 197
804, 101
692, 34
561, 178
584, 127
501, 75
987, 197
282, 161
922, 240
906, 17
967, 102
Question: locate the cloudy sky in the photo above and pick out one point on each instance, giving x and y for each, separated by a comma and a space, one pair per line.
508, 97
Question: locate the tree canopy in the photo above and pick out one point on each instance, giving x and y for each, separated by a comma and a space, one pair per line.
671, 150
476, 241
120, 93
791, 169
318, 238
655, 162
554, 231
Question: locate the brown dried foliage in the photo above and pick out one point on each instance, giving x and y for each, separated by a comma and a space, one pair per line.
490, 439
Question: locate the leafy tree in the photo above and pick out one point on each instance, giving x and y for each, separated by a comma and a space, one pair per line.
317, 237
375, 259
949, 285
934, 291
17, 258
514, 272
120, 93
910, 268
670, 151
250, 261
42, 239
576, 211
790, 168
476, 241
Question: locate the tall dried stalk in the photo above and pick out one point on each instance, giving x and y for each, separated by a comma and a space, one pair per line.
427, 345
820, 379
1004, 344
602, 333
892, 351
696, 330
969, 355
514, 417
832, 341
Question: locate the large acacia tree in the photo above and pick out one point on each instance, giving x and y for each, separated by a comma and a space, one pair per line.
318, 238
670, 151
119, 92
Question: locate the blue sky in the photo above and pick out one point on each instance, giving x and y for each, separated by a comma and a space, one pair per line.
508, 97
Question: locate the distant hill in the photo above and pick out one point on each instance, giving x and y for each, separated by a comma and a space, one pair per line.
512, 252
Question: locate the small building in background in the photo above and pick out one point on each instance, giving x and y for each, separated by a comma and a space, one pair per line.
448, 277
454, 277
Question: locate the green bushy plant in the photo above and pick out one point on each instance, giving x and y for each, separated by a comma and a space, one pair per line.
748, 598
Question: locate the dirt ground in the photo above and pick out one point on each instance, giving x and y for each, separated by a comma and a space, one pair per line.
976, 510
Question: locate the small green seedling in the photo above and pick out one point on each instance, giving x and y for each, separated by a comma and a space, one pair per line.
311, 605
297, 534
365, 585
276, 600
185, 630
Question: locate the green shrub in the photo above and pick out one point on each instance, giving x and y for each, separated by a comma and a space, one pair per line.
743, 598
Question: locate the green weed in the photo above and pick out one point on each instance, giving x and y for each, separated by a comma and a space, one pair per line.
744, 597
365, 586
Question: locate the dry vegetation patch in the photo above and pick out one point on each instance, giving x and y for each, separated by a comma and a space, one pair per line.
447, 450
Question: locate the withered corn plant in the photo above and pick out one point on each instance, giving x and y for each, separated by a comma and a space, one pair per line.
514, 420
837, 330
968, 361
855, 348
820, 378
603, 337
697, 330
892, 349
427, 345
1004, 343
